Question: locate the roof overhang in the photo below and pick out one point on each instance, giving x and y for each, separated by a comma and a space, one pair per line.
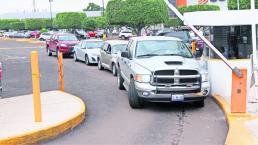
222, 18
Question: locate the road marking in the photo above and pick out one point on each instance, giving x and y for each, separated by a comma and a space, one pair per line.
22, 47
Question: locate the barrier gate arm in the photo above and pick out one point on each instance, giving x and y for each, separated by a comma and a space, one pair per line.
180, 16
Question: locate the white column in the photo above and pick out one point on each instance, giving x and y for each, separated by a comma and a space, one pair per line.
254, 45
253, 4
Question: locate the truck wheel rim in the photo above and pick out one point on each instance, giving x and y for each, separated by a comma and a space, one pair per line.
114, 69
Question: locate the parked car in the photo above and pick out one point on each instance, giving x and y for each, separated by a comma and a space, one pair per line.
161, 69
125, 34
108, 54
61, 42
91, 34
44, 36
80, 34
88, 51
1, 74
6, 34
17, 35
183, 35
100, 33
34, 34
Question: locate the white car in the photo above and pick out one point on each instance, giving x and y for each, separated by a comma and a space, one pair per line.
87, 51
125, 34
44, 36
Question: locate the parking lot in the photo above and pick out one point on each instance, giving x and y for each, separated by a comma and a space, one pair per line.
109, 118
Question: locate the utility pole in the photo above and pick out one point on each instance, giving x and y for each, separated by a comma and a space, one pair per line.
103, 6
34, 6
51, 16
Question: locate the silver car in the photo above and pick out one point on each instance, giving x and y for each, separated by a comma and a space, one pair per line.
87, 51
108, 54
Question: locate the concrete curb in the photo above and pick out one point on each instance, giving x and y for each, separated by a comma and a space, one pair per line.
238, 134
48, 132
37, 42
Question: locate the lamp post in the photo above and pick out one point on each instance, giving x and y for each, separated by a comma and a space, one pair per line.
103, 6
51, 16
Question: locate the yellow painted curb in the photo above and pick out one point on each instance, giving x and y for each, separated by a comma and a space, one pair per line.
23, 40
238, 134
37, 42
49, 132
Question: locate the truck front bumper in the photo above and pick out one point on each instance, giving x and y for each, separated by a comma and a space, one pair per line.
150, 93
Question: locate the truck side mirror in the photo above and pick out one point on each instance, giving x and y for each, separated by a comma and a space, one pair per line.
125, 54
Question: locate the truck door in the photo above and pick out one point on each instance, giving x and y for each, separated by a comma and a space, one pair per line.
127, 62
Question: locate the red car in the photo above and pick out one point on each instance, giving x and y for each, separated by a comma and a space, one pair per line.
61, 42
34, 34
1, 88
92, 34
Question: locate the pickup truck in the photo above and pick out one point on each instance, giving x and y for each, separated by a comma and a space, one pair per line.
161, 69
61, 42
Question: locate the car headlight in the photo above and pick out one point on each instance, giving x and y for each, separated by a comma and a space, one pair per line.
205, 77
142, 78
63, 45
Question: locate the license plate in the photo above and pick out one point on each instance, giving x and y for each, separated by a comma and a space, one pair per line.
177, 98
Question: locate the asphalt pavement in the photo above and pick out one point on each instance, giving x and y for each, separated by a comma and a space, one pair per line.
109, 119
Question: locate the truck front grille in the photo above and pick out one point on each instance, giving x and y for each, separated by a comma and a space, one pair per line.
176, 78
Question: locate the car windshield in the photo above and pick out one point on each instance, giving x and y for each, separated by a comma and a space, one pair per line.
118, 47
151, 48
94, 44
67, 38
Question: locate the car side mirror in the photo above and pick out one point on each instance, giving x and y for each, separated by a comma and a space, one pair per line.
125, 54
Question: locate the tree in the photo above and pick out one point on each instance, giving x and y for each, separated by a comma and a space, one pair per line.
5, 24
92, 7
177, 22
34, 24
89, 24
18, 26
70, 20
243, 4
137, 13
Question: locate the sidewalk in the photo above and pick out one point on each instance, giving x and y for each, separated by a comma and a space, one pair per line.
243, 128
60, 112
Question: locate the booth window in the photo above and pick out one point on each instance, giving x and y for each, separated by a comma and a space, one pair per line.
234, 42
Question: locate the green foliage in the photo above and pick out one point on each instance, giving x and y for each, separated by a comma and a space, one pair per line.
95, 22
69, 20
18, 26
37, 24
173, 22
243, 4
43, 30
89, 24
136, 13
192, 8
92, 7
5, 24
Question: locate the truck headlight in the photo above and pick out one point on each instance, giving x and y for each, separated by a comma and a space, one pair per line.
205, 77
63, 45
142, 78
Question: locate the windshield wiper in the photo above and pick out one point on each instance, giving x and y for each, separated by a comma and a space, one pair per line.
147, 55
175, 55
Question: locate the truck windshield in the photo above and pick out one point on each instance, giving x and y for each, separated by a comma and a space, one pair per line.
94, 44
67, 38
151, 48
119, 47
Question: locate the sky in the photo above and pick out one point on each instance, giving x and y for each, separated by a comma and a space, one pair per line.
13, 6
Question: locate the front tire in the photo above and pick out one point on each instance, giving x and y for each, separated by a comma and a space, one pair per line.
100, 67
120, 81
199, 104
75, 57
87, 60
134, 100
114, 70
